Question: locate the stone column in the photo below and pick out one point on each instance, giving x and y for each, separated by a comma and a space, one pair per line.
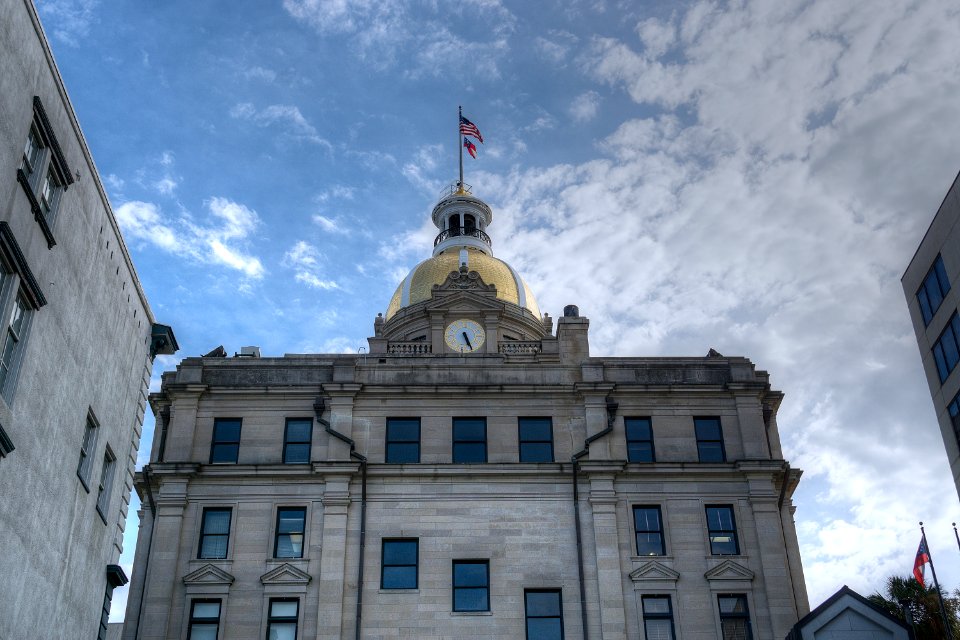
340, 417
163, 574
492, 326
603, 502
753, 431
596, 417
182, 427
436, 332
137, 580
333, 578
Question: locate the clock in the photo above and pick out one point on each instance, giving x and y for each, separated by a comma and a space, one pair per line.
464, 336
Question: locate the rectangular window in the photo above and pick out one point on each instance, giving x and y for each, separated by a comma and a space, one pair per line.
657, 618
946, 350
32, 154
43, 172
13, 344
225, 447
204, 620
296, 440
105, 488
536, 439
649, 531
282, 621
403, 441
85, 465
734, 617
954, 409
469, 440
934, 288
291, 524
639, 440
471, 585
214, 533
544, 612
399, 567
722, 531
709, 440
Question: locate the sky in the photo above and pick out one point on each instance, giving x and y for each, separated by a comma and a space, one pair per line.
748, 176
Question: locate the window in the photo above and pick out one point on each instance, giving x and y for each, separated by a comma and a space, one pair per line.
403, 440
639, 440
43, 172
291, 523
709, 440
536, 439
734, 617
105, 488
544, 614
946, 350
86, 451
204, 620
214, 533
20, 295
13, 343
657, 618
469, 440
399, 567
282, 620
649, 531
954, 409
722, 530
931, 293
226, 441
471, 585
296, 440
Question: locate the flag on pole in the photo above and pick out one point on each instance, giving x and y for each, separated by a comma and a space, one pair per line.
921, 562
471, 148
467, 128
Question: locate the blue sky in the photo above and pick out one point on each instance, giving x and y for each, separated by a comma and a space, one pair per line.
748, 176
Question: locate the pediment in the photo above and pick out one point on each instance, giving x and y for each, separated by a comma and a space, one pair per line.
729, 570
464, 300
654, 571
208, 574
285, 574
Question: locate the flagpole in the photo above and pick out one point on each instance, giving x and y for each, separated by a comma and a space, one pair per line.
459, 144
936, 585
955, 534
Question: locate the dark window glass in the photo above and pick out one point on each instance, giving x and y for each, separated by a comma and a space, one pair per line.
639, 439
471, 585
469, 440
657, 618
649, 531
544, 614
946, 350
709, 440
399, 566
282, 620
954, 409
291, 522
226, 440
204, 620
931, 293
722, 530
214, 533
536, 439
105, 488
12, 344
89, 443
734, 617
403, 440
296, 440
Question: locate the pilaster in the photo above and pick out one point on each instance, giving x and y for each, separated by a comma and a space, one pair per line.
603, 502
333, 578
182, 426
341, 417
167, 532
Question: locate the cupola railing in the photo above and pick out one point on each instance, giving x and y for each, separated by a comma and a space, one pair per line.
462, 231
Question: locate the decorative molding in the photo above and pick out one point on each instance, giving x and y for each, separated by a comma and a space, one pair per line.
14, 256
6, 444
208, 574
464, 280
285, 575
115, 576
59, 161
35, 208
729, 570
654, 571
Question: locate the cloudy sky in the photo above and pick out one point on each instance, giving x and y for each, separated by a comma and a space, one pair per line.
748, 176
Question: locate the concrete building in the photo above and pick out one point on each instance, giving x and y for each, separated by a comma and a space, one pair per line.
77, 340
928, 285
475, 475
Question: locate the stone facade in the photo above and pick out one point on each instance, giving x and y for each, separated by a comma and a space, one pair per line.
76, 351
217, 482
932, 276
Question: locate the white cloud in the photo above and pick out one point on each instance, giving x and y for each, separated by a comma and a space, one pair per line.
211, 244
70, 19
287, 117
556, 46
584, 107
260, 73
305, 259
331, 225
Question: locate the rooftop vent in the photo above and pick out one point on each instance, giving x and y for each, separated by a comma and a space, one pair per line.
248, 352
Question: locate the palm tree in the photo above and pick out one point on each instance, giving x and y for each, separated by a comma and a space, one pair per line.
923, 605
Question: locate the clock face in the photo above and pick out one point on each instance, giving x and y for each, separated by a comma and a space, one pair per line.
464, 336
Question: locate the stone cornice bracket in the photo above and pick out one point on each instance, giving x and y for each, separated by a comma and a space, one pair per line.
654, 571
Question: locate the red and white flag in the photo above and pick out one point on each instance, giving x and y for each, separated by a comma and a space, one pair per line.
921, 562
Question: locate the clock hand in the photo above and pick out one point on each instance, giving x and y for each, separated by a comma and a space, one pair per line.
467, 338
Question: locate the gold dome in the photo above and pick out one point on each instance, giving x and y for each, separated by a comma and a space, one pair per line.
418, 284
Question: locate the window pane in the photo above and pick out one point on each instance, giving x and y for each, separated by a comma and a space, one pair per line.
638, 429
400, 552
733, 604
646, 519
707, 428
466, 452
543, 629
216, 521
214, 547
925, 309
734, 629
283, 609
206, 610
296, 453
470, 430
290, 545
399, 578
282, 631
656, 605
203, 631
299, 430
658, 629
950, 352
942, 370
720, 518
403, 430
470, 599
710, 451
290, 520
649, 544
639, 452
536, 452
543, 603
471, 574
225, 453
405, 452
226, 431
538, 429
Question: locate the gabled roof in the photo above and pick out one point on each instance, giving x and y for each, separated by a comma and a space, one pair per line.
796, 633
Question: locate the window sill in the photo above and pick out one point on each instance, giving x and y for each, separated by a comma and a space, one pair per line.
471, 613
398, 591
649, 558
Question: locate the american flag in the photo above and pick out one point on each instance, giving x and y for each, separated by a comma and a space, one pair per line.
467, 128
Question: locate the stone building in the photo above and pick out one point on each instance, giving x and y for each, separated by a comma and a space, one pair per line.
475, 475
933, 303
77, 341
